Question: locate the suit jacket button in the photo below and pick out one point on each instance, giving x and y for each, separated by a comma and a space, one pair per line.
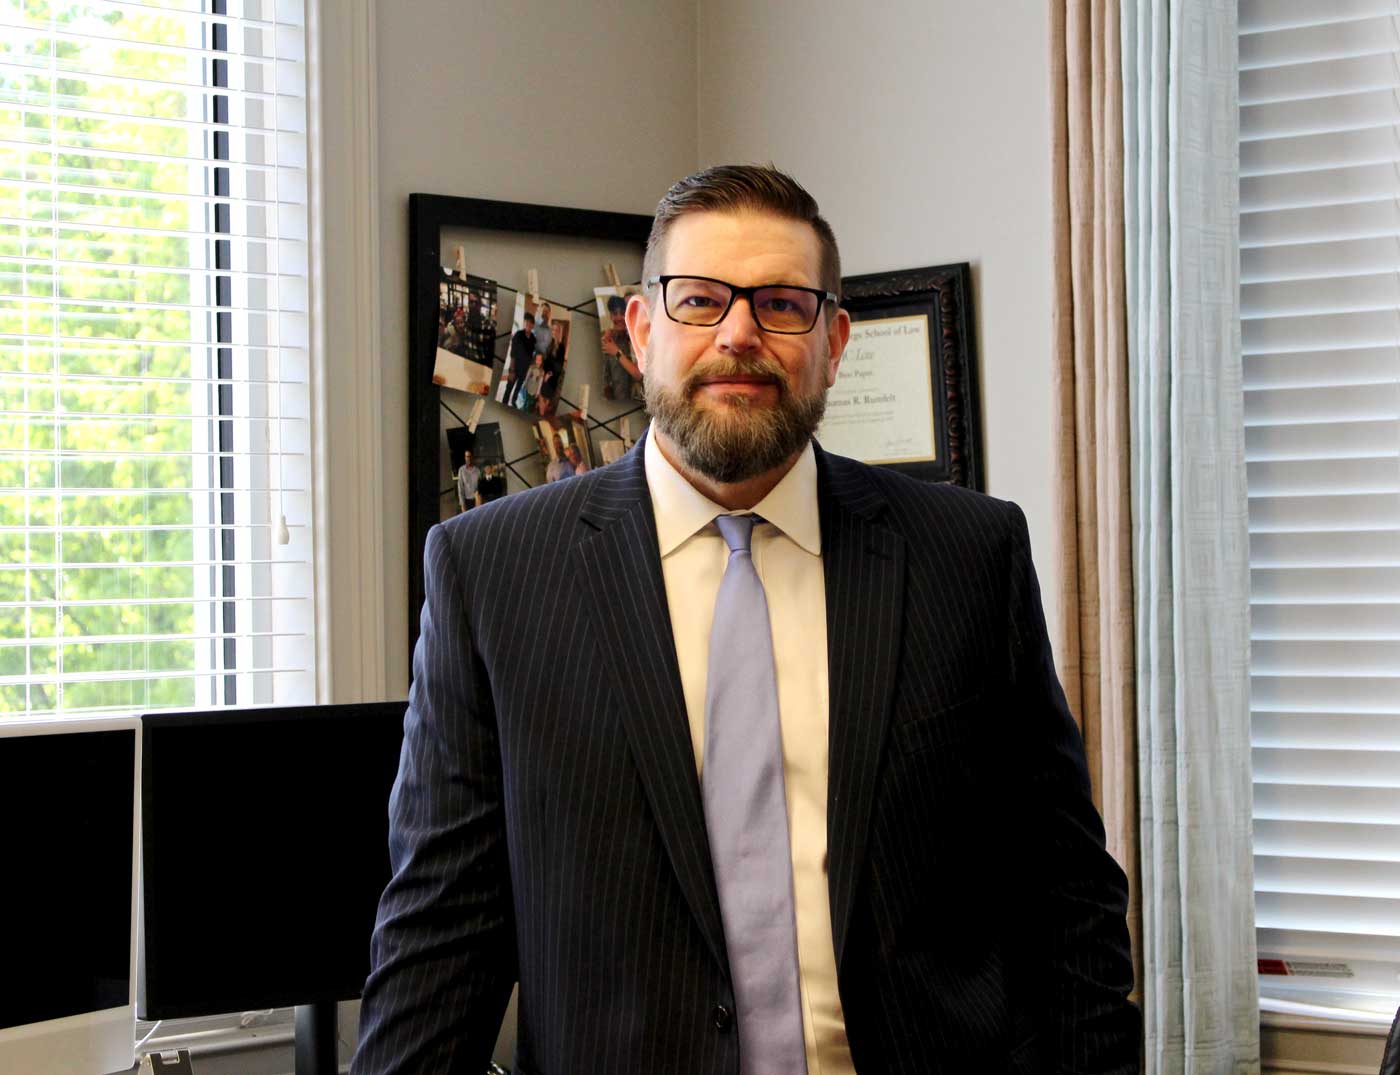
723, 1017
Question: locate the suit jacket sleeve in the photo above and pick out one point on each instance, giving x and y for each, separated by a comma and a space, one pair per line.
443, 953
1076, 895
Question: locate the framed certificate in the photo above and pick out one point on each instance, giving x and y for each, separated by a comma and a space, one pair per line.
906, 393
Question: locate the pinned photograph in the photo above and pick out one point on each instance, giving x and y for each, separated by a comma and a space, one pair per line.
537, 356
622, 378
470, 455
563, 445
466, 332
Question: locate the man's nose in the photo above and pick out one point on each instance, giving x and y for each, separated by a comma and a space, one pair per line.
739, 332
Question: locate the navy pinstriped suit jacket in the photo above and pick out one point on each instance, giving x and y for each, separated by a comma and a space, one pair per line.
547, 820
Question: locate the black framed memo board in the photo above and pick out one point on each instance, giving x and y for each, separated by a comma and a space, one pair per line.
517, 372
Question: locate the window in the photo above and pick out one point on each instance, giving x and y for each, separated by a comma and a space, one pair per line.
1320, 303
155, 481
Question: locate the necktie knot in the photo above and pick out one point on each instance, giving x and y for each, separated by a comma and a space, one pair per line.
737, 530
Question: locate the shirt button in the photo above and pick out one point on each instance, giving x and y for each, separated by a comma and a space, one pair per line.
723, 1017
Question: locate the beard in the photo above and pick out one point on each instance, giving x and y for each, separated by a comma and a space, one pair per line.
739, 440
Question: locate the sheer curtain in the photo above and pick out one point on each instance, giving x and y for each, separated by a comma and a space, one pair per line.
1190, 533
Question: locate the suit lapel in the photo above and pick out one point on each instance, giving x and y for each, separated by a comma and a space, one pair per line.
635, 631
863, 564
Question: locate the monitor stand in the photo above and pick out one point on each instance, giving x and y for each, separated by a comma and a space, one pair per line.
316, 1047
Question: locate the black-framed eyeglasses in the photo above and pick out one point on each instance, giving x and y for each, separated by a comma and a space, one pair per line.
705, 302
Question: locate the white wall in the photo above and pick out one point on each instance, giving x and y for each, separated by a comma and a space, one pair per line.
922, 129
915, 154
590, 106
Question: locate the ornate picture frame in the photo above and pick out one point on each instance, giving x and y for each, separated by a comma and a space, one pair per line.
907, 393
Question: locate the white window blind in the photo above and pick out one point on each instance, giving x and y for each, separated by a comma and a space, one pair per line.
1320, 303
155, 507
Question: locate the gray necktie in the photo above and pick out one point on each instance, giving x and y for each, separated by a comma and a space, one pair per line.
746, 815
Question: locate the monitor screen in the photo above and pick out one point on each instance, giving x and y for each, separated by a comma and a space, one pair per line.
68, 844
265, 850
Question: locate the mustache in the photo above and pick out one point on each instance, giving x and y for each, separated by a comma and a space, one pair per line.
718, 368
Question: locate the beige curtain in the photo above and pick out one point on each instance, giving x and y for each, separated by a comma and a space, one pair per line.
1094, 643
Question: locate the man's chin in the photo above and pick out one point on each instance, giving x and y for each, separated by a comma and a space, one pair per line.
732, 436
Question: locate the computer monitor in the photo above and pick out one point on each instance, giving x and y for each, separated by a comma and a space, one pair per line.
265, 851
68, 855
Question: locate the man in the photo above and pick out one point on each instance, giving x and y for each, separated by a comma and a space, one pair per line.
806, 795
561, 466
621, 376
522, 355
468, 481
576, 460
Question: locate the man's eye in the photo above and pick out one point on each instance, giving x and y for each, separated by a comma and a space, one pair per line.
698, 301
781, 306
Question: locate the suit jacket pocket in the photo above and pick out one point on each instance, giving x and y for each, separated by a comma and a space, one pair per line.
951, 724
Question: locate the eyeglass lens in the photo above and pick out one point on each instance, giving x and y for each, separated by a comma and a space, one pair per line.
693, 301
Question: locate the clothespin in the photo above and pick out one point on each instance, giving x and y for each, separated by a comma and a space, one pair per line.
532, 284
461, 261
475, 416
627, 431
583, 407
610, 271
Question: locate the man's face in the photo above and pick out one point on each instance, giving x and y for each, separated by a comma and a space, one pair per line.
543, 317
736, 401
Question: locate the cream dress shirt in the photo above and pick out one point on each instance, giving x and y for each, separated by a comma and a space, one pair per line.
788, 557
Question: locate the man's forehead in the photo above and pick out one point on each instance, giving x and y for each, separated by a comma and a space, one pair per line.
744, 247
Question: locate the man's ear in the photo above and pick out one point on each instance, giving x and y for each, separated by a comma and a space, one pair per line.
638, 318
838, 332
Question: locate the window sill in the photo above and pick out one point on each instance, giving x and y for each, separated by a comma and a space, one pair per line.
1294, 1044
1361, 1025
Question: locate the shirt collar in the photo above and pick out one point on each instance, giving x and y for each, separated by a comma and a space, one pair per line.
681, 509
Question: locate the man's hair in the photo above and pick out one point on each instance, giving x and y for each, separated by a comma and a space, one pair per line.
529, 316
731, 188
616, 304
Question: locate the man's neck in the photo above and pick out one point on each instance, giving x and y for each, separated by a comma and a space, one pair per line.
734, 496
